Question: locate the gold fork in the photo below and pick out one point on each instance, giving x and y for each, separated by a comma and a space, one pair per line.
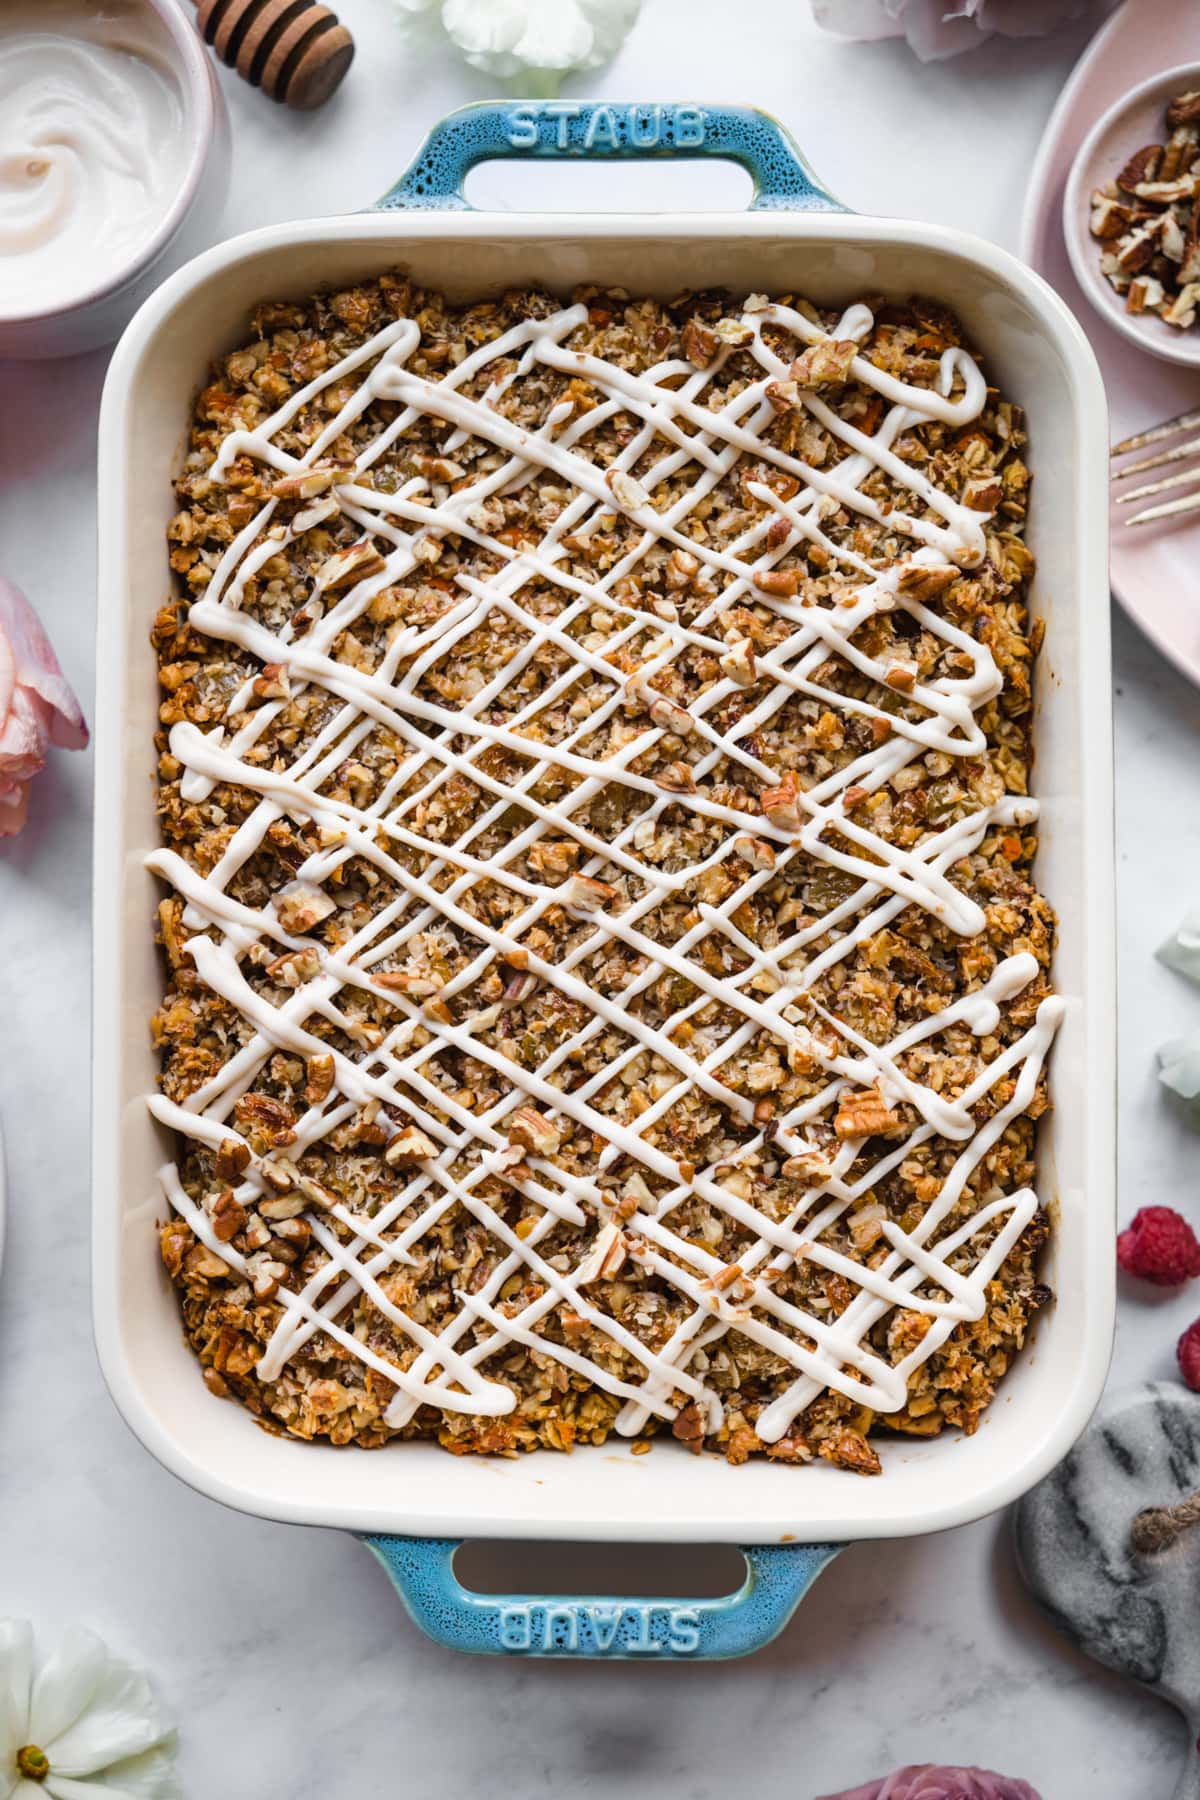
1176, 452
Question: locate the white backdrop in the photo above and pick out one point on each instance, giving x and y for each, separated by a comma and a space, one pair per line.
288, 1661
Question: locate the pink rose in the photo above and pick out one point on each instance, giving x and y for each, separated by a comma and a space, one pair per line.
927, 1781
37, 707
938, 28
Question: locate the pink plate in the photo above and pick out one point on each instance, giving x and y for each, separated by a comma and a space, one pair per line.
1155, 568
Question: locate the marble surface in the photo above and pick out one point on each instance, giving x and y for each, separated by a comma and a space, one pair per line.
290, 1664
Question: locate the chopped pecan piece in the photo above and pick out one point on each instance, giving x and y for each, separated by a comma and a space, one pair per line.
590, 895
902, 676
1184, 109
781, 584
266, 1278
688, 1427
408, 1146
532, 1130
319, 1072
738, 662
415, 986
699, 344
265, 1120
345, 568
670, 717
755, 851
1109, 216
782, 804
1142, 166
863, 1112
850, 1450
826, 363
231, 1159
682, 569
1145, 294
273, 684
784, 395
281, 1206
625, 490
606, 1257
301, 905
677, 778
920, 581
174, 1241
228, 1216
205, 1264
307, 483
554, 856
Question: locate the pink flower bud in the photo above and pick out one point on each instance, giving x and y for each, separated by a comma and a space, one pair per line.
37, 706
929, 1781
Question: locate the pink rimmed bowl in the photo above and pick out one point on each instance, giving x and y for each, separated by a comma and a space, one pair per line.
1136, 119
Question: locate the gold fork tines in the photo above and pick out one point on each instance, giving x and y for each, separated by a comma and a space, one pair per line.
1168, 428
1175, 452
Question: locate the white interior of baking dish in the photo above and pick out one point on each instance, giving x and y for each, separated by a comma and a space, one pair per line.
1038, 355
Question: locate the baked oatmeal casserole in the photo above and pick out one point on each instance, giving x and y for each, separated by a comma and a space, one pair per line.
605, 986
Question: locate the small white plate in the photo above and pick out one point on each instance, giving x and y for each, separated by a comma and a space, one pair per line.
1155, 568
1137, 119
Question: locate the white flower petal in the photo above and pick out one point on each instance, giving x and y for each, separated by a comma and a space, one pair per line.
860, 19
506, 37
16, 1668
420, 23
89, 1709
611, 22
557, 35
1179, 1061
1182, 949
151, 1776
63, 1686
1179, 1066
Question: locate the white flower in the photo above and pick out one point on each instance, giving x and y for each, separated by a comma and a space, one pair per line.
1179, 1061
938, 28
538, 40
83, 1726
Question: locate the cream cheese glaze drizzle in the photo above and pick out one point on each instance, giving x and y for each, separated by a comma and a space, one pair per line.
451, 1367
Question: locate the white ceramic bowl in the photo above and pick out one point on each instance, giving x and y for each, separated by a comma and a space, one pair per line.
1132, 121
99, 315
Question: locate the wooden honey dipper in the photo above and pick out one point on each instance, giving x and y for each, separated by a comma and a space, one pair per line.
295, 50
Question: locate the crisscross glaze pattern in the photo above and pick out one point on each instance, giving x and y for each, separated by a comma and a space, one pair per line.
644, 774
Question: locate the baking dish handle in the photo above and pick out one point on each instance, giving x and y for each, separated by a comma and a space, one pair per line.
596, 130
777, 1578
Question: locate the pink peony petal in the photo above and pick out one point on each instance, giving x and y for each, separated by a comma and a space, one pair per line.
940, 28
24, 736
14, 806
8, 676
930, 1781
36, 667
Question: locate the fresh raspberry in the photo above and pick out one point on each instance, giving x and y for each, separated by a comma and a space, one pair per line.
1188, 1352
1159, 1246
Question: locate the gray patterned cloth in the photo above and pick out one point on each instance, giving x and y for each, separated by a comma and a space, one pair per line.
1135, 1612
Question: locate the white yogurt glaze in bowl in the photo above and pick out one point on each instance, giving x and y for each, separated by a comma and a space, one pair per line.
113, 163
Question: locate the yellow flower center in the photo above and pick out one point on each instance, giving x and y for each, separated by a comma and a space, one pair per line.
33, 1763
